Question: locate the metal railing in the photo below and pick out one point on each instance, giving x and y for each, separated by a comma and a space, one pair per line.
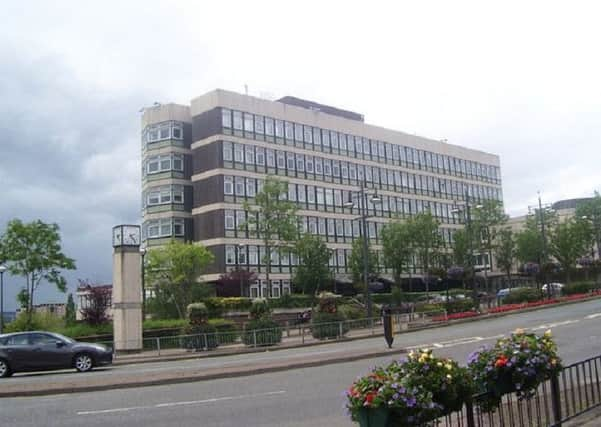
289, 335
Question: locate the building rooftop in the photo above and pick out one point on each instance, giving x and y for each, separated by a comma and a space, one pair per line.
314, 106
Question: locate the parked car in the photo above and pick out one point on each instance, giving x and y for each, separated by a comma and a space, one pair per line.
42, 351
556, 288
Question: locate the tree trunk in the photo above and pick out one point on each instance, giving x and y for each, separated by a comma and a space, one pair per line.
268, 270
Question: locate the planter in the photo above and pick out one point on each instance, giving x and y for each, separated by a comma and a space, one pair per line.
377, 417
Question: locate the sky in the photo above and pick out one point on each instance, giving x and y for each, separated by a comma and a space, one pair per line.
518, 79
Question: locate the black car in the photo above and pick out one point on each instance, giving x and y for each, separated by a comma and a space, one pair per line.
42, 351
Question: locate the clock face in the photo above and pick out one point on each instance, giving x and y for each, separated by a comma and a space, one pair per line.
126, 235
131, 235
117, 236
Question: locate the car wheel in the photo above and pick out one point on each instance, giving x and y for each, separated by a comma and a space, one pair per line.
4, 369
83, 362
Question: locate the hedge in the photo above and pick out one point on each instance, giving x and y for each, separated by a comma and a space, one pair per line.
262, 332
578, 288
327, 325
522, 295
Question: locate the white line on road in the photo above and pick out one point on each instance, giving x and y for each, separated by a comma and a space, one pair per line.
553, 325
191, 402
592, 316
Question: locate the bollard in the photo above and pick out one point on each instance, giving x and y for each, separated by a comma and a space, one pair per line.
158, 345
387, 321
340, 330
254, 338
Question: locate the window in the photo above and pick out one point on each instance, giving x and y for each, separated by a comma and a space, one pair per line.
334, 139
292, 192
178, 193
318, 166
327, 167
165, 227
301, 193
329, 193
352, 171
250, 187
248, 122
342, 141
289, 129
321, 226
228, 185
240, 219
230, 223
178, 227
344, 169
226, 118
309, 164
269, 126
312, 225
165, 194
259, 125
336, 168
279, 129
260, 156
300, 163
298, 132
290, 161
165, 163
325, 138
320, 195
230, 255
310, 194
308, 134
351, 144
238, 153
250, 155
238, 120
316, 136
253, 257
178, 162
239, 185
270, 158
281, 160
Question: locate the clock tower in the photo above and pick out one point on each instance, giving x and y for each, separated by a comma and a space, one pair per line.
127, 289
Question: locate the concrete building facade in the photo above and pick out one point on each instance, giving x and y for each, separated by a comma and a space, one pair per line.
202, 161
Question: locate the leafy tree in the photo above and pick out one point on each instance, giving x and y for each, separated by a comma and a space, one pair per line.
397, 247
313, 271
34, 250
70, 314
98, 300
427, 242
174, 269
461, 249
228, 284
505, 251
355, 261
569, 241
274, 220
590, 212
529, 246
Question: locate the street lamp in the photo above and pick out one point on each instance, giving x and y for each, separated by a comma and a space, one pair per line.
143, 274
2, 270
467, 210
362, 206
239, 251
541, 210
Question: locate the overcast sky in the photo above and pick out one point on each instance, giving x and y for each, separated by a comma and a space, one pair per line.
518, 79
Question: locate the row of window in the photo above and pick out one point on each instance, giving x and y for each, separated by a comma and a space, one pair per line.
267, 128
314, 197
163, 131
299, 165
164, 195
258, 289
164, 227
164, 163
254, 256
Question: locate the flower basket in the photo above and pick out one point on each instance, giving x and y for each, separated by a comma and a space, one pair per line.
376, 417
519, 363
413, 391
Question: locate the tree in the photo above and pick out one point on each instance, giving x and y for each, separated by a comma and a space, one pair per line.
397, 248
569, 241
313, 271
427, 242
174, 269
274, 220
590, 211
98, 300
34, 250
529, 246
228, 284
355, 261
488, 217
461, 249
70, 314
505, 251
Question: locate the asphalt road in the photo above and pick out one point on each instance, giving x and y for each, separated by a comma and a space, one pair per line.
301, 397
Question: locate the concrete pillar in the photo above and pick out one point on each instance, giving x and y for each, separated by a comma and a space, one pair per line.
127, 296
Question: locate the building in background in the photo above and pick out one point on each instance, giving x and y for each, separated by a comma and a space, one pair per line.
54, 309
83, 298
201, 162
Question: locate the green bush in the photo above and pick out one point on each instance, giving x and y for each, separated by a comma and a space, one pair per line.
326, 325
519, 296
197, 313
260, 309
265, 331
164, 324
578, 288
81, 329
352, 312
292, 301
227, 330
199, 337
459, 306
218, 305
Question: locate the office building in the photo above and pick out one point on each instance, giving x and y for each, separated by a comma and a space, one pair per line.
202, 161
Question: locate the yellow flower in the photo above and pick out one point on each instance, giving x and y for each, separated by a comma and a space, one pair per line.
548, 333
448, 366
519, 331
411, 354
439, 364
553, 362
449, 376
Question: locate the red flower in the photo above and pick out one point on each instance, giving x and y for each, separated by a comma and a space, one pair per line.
501, 361
369, 398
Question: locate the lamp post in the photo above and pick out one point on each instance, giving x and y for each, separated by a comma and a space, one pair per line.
362, 206
143, 281
541, 217
468, 222
239, 251
2, 270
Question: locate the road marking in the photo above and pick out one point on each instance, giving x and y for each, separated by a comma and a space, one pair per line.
553, 325
593, 316
437, 345
190, 402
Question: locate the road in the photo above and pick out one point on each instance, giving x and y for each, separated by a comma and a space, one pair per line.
300, 397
